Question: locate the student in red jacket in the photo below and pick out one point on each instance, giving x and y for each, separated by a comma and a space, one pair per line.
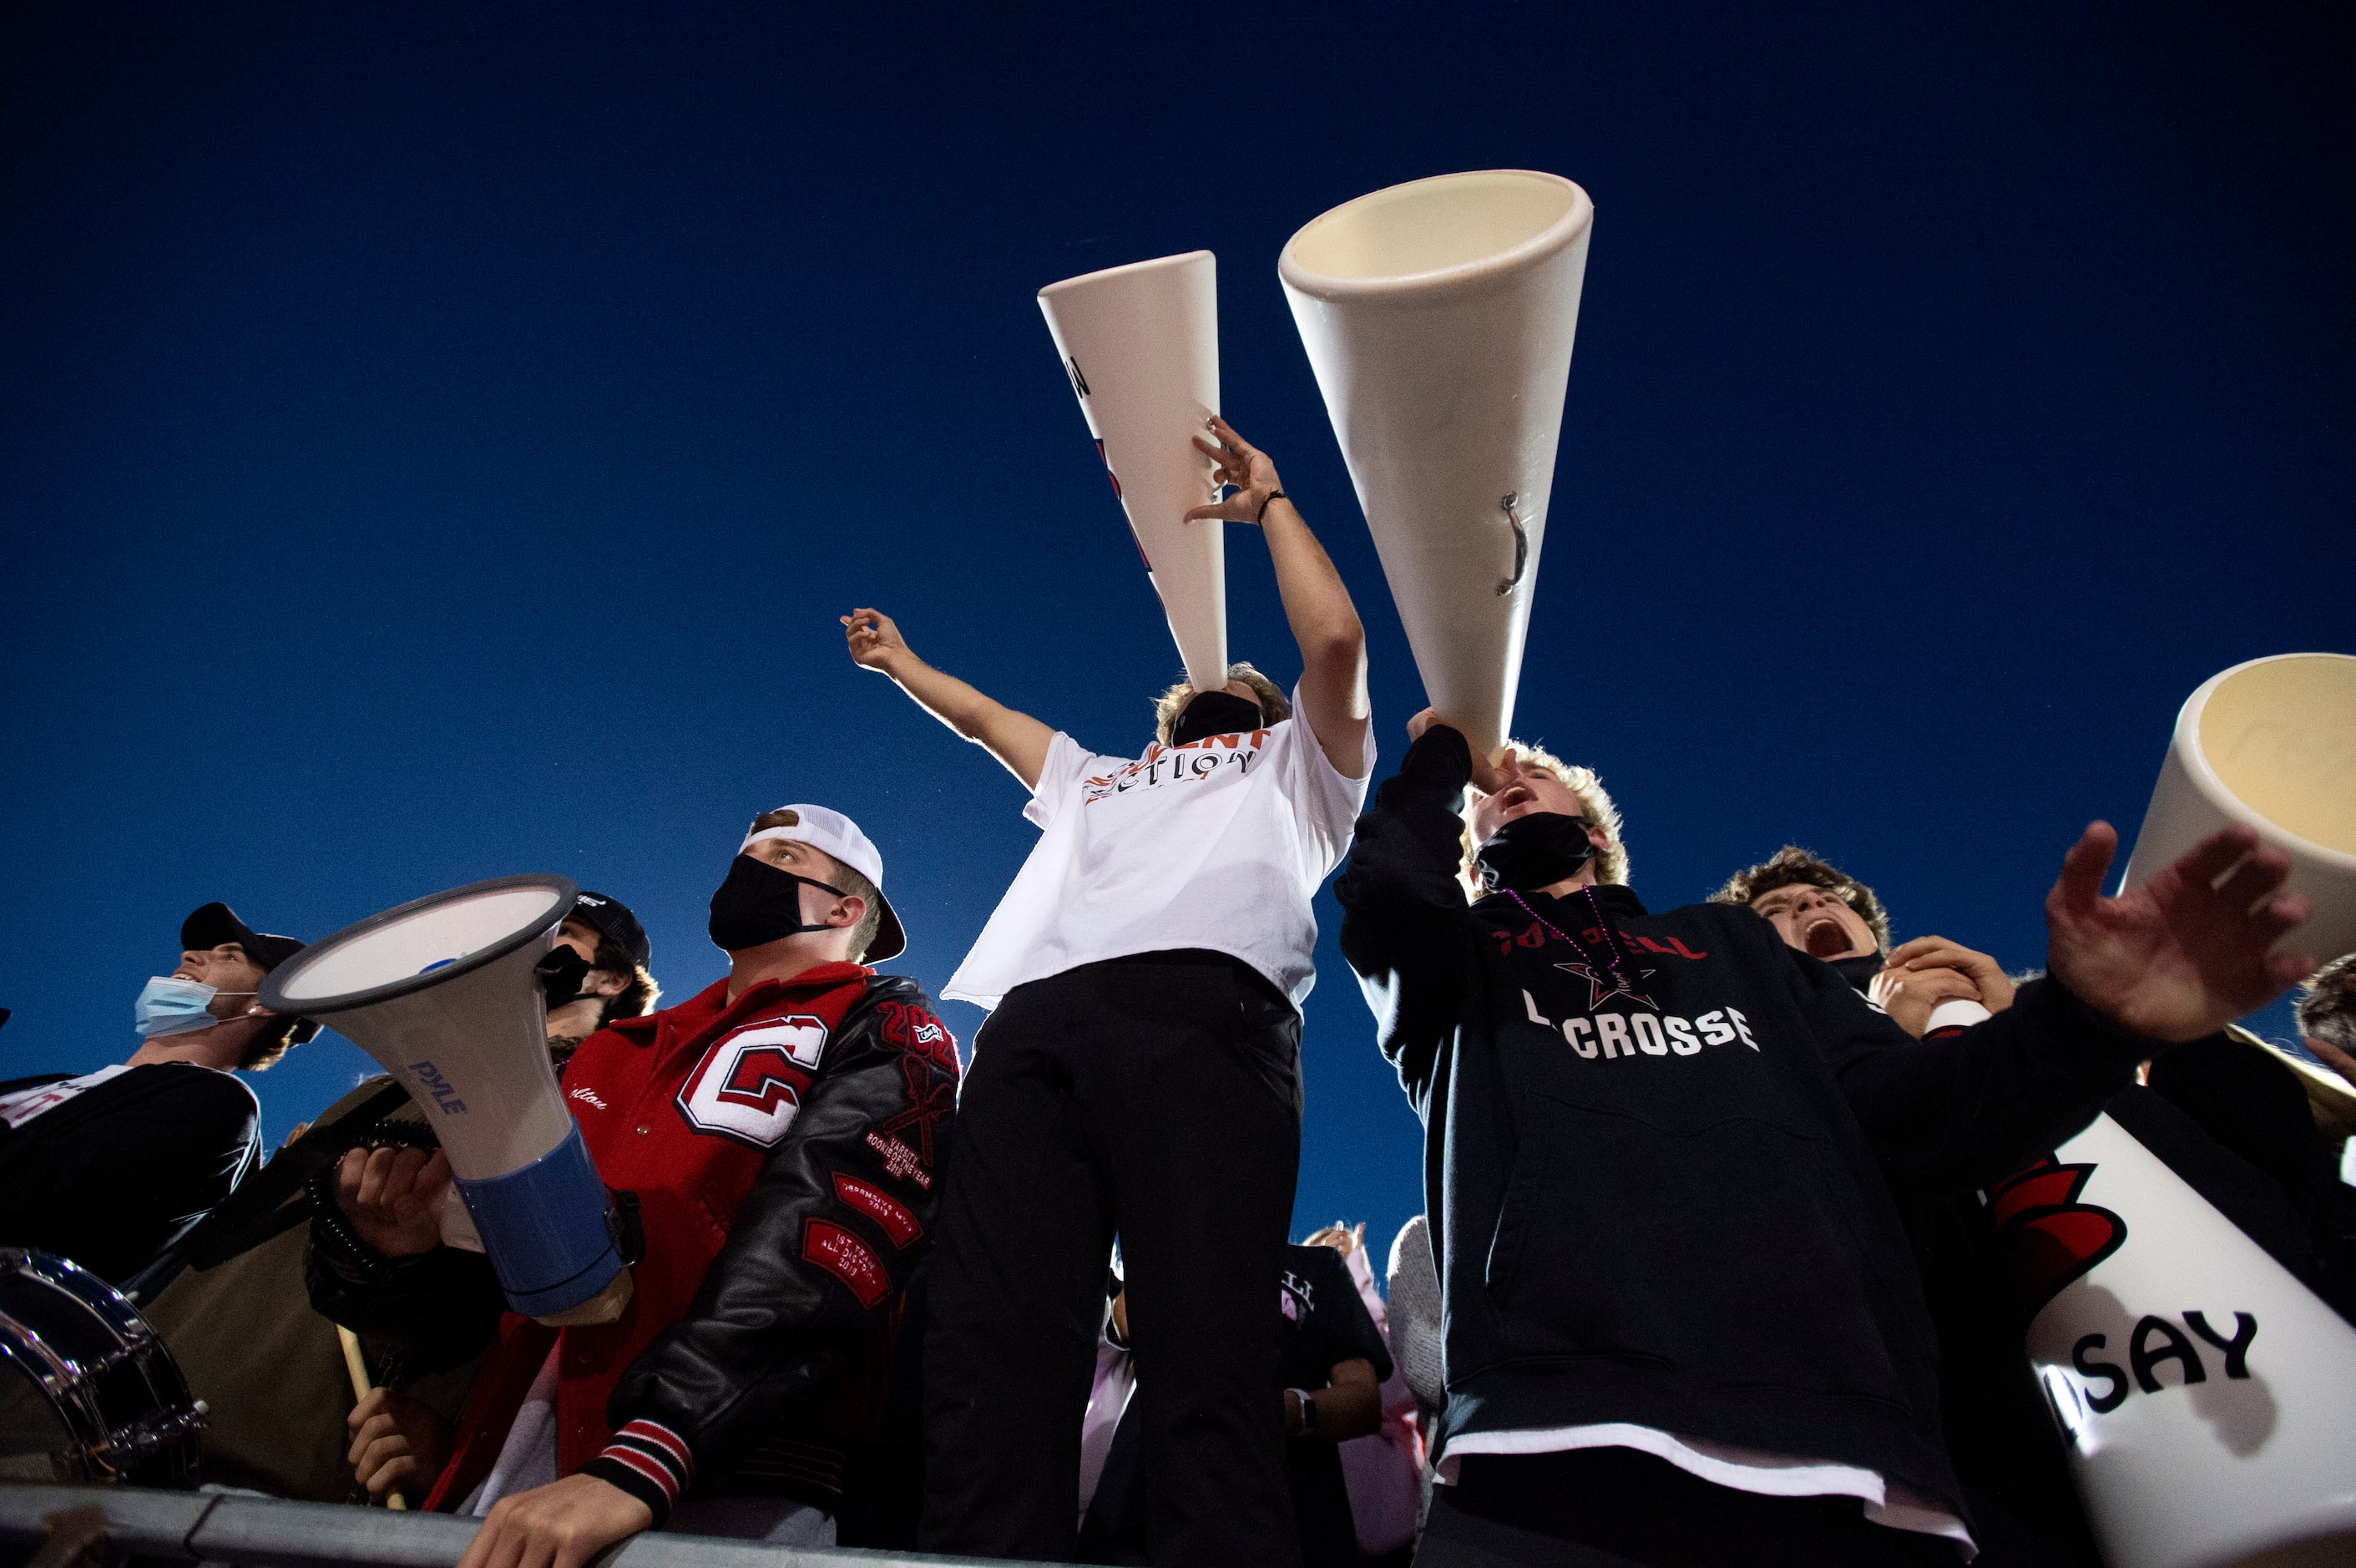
780, 1133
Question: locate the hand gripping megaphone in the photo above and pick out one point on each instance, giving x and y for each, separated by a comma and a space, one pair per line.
1439, 318
2270, 745
2205, 1395
441, 991
1140, 347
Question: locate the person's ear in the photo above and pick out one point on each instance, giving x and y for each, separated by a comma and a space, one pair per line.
847, 912
605, 983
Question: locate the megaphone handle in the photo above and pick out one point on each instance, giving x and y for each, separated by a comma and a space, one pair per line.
355, 1366
1521, 541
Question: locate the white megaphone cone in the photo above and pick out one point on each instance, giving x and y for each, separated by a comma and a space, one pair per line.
1439, 318
441, 991
2207, 1396
1140, 346
2270, 745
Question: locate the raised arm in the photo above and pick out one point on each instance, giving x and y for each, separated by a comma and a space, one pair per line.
1017, 739
1324, 622
1404, 929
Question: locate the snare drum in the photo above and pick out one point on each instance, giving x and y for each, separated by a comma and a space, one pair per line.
98, 1397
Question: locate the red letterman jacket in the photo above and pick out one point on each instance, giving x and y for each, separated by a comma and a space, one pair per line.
785, 1151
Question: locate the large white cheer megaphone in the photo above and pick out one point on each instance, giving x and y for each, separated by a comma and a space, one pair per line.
1439, 318
2270, 745
1140, 346
2206, 1394
441, 991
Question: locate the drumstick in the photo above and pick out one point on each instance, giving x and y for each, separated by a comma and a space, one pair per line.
358, 1368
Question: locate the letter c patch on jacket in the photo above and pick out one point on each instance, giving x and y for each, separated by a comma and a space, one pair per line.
750, 1084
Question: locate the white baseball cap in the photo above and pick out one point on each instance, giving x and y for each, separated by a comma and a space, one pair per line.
839, 836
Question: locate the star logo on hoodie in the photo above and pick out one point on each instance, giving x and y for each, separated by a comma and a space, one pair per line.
1602, 987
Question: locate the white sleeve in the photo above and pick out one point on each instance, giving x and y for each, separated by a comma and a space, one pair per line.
1059, 778
1325, 802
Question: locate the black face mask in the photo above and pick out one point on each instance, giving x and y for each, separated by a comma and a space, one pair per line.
564, 974
1214, 712
1535, 851
757, 903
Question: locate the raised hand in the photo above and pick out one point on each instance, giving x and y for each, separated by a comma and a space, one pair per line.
1487, 777
1242, 465
2184, 954
874, 638
392, 1197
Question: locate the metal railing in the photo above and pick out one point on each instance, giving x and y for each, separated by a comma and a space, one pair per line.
271, 1533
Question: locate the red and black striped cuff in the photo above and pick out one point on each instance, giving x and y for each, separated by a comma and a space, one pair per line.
650, 1462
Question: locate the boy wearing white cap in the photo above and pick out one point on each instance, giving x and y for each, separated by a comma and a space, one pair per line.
1141, 1072
779, 1133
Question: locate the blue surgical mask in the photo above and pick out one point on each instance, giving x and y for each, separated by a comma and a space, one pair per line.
170, 1005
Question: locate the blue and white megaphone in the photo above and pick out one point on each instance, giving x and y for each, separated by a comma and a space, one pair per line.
440, 992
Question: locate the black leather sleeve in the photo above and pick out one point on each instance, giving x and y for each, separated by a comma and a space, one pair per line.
818, 1250
1405, 929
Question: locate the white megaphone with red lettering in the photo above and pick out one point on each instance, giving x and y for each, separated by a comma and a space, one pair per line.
1439, 317
441, 991
2207, 1396
2269, 744
1140, 347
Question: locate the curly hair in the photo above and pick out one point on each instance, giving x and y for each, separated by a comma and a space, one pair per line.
633, 1001
2326, 1004
1273, 705
1594, 800
1791, 865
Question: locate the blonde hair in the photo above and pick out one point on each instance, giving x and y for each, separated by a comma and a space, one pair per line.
846, 881
1594, 803
1273, 707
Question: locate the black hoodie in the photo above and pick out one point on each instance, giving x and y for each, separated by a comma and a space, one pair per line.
1676, 1211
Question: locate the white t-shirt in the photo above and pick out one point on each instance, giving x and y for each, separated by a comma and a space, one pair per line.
1219, 844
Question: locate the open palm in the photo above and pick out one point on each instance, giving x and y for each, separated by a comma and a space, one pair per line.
2185, 953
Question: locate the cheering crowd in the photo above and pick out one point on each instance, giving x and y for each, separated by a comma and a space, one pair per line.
1705, 1275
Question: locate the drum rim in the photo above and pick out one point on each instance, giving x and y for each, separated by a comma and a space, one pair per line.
99, 1446
274, 994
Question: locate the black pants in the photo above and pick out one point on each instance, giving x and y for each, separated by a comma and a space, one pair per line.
1158, 1096
1618, 1508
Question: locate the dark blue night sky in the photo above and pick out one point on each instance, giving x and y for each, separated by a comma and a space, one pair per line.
437, 441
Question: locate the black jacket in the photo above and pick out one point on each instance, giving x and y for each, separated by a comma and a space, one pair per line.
1679, 1215
117, 1174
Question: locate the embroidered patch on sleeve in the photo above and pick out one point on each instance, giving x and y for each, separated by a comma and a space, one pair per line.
900, 1160
879, 1206
912, 1029
848, 1259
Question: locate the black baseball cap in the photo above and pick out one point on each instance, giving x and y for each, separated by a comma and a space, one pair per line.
217, 923
611, 919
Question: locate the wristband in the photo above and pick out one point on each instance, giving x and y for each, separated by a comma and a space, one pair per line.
1272, 496
1308, 1410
